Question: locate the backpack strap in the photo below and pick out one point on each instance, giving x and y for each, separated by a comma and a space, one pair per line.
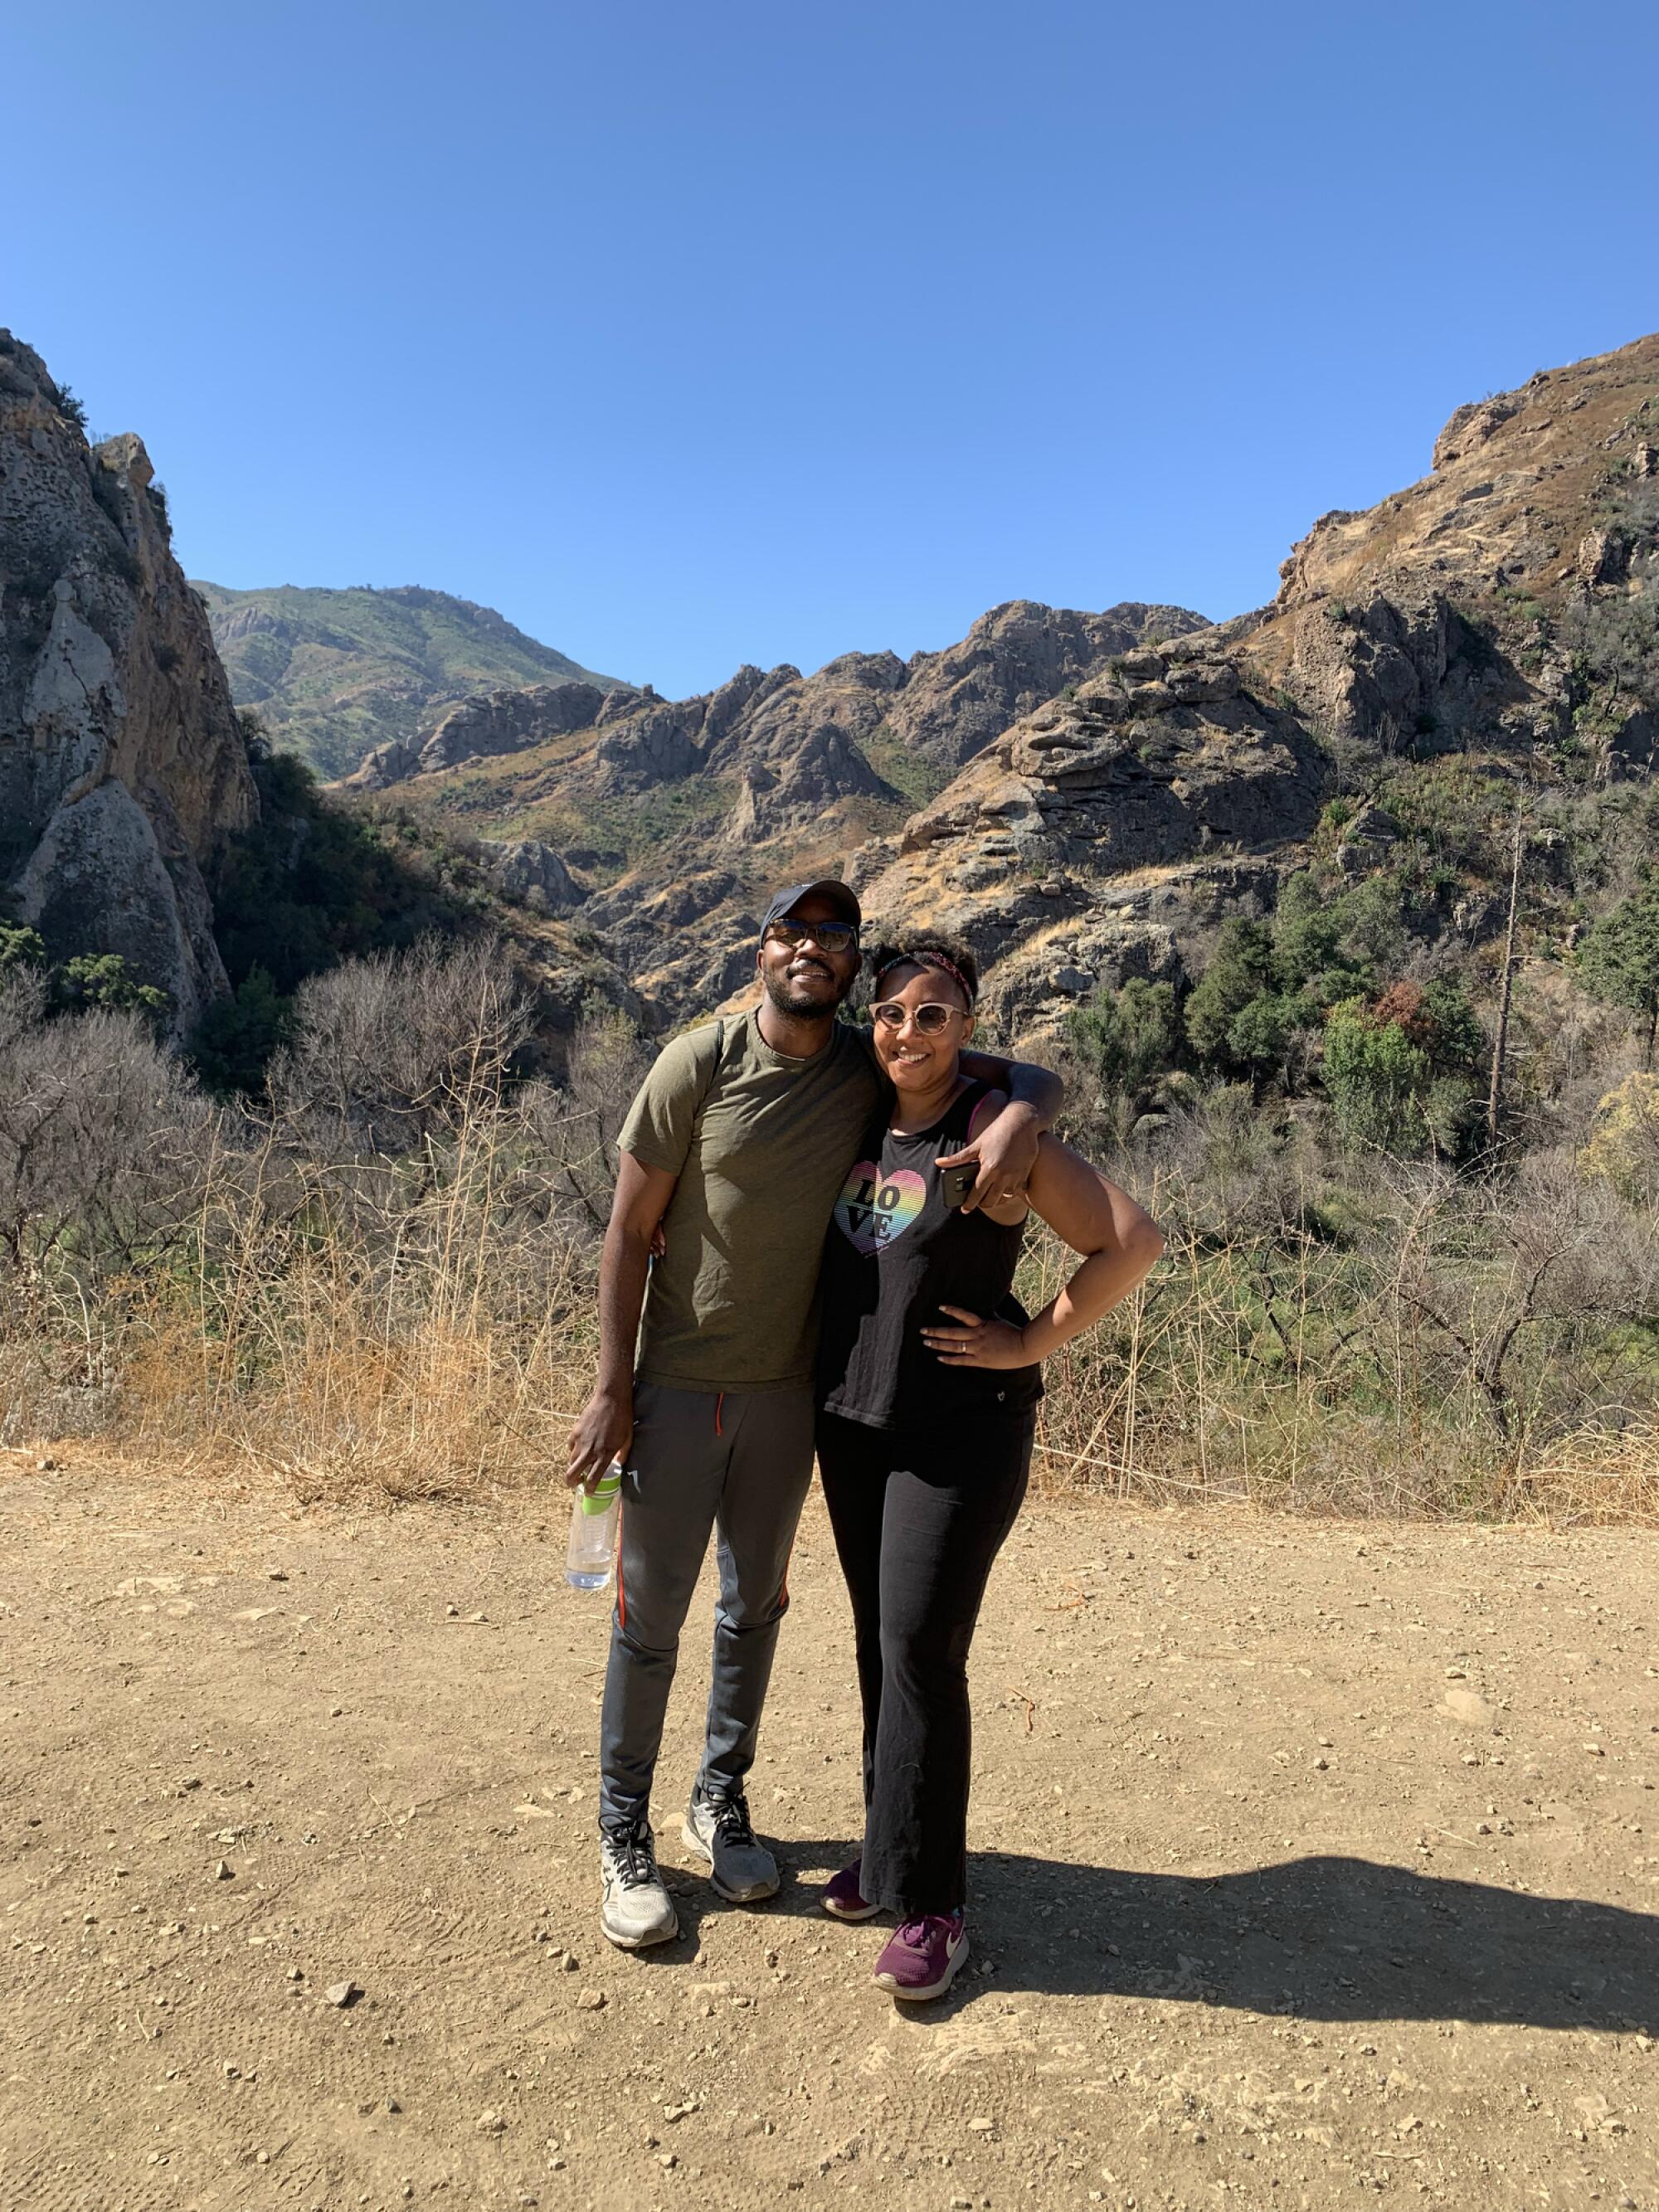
727, 1031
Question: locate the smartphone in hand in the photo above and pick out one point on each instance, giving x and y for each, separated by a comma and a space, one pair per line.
957, 1181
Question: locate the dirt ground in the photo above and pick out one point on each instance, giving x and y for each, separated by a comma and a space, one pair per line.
1310, 1860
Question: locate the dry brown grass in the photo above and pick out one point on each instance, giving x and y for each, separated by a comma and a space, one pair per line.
394, 1296
1460, 1368
1594, 1478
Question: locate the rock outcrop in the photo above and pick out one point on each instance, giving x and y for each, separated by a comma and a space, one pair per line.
1074, 850
504, 721
122, 767
953, 703
533, 874
1415, 625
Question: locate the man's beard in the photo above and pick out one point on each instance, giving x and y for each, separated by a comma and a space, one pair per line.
777, 990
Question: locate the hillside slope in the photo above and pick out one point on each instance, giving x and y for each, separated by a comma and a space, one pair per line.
335, 672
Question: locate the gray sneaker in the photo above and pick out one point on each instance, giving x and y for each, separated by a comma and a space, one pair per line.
744, 1871
634, 1908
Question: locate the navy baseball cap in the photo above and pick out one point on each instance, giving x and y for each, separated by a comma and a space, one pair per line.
785, 902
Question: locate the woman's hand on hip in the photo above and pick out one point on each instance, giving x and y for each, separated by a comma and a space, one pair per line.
976, 1343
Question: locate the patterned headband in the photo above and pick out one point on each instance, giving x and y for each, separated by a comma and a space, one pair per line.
928, 959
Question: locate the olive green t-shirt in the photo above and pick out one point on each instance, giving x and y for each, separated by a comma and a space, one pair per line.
761, 1144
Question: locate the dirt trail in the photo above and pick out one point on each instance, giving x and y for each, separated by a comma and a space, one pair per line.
1310, 1860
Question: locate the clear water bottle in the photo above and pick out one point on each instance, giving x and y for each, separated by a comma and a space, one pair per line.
593, 1516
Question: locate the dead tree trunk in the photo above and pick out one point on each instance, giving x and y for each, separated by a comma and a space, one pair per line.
1501, 1040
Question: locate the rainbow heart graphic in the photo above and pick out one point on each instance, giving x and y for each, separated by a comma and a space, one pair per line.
871, 1213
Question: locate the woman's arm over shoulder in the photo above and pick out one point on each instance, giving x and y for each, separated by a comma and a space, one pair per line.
1037, 1091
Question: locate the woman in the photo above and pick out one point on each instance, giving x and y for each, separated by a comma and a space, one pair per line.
929, 1376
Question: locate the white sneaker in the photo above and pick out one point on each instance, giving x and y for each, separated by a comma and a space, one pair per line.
634, 1907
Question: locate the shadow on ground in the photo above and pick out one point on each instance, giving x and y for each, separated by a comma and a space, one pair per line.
1331, 1938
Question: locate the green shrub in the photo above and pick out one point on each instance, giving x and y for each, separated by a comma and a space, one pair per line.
1128, 1038
103, 979
1240, 969
20, 946
236, 1037
1618, 958
1398, 1069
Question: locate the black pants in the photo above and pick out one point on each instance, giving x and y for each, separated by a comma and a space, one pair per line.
918, 1521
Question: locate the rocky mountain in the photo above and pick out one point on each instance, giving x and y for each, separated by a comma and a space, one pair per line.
1123, 780
335, 674
122, 770
772, 764
1099, 837
1082, 797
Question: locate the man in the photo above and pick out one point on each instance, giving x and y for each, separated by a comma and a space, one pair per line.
738, 1145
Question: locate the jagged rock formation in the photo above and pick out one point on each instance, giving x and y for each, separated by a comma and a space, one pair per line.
336, 674
531, 874
122, 769
1099, 837
689, 945
1412, 626
497, 722
955, 703
1163, 778
792, 752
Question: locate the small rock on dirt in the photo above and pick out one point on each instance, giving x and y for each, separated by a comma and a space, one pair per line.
590, 2001
342, 1994
1469, 1706
222, 1871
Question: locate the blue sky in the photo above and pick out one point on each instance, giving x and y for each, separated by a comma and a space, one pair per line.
690, 336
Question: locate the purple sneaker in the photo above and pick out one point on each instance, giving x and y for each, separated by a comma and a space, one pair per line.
842, 1899
921, 1957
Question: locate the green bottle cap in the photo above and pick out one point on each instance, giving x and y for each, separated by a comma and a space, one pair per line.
603, 1495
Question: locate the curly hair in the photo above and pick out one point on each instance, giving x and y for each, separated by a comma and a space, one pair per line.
953, 961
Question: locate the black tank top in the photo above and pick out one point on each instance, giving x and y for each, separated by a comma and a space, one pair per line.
896, 1253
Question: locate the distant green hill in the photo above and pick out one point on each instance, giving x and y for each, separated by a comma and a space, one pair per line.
334, 674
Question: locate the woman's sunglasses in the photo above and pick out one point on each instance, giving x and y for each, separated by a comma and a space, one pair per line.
832, 937
930, 1019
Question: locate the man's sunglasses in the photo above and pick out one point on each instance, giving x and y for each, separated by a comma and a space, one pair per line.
830, 937
930, 1019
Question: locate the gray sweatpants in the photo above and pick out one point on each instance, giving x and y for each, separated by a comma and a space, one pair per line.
736, 1461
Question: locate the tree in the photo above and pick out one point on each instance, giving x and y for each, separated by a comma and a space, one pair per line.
1618, 958
1260, 1029
20, 946
1500, 1041
1129, 1037
235, 1038
1240, 969
1398, 1068
103, 979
